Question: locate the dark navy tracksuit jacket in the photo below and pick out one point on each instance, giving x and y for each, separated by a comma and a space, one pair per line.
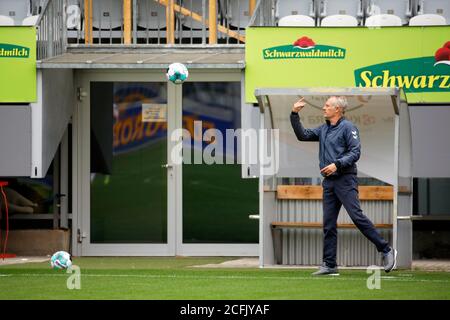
339, 144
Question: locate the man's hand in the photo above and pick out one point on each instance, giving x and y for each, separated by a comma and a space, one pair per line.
298, 105
330, 169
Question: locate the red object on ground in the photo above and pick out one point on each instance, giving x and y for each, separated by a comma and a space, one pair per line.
5, 255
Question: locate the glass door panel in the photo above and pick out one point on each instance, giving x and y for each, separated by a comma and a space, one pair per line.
128, 185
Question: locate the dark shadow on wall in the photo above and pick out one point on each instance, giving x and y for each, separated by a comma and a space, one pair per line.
431, 240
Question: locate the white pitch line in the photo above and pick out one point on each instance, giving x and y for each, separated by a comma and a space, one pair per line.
336, 278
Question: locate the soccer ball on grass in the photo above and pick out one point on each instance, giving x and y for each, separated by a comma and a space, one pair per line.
61, 260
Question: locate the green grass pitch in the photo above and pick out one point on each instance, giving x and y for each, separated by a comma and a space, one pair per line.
178, 279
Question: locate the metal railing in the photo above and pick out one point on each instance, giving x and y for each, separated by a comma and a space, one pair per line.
64, 23
160, 22
51, 30
264, 14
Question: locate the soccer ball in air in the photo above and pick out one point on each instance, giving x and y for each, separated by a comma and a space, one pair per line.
177, 73
60, 260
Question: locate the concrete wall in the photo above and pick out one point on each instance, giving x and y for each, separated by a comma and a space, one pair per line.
15, 140
38, 242
58, 102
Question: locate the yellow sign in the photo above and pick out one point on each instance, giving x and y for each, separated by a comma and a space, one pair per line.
414, 58
17, 64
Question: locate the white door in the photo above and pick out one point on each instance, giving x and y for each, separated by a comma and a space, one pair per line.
130, 195
125, 189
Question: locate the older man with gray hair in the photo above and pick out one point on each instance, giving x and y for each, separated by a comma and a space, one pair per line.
340, 149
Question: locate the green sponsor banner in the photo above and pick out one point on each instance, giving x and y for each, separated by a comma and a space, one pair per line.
17, 64
415, 75
414, 58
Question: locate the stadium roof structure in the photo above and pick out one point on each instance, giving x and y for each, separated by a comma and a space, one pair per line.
139, 57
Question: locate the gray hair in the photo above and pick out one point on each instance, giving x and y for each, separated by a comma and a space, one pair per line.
340, 101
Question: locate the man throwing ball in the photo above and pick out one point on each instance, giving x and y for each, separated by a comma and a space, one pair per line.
339, 151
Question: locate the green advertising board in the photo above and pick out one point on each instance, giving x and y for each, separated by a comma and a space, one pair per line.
414, 58
17, 64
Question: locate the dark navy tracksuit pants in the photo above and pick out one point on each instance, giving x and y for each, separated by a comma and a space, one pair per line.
338, 191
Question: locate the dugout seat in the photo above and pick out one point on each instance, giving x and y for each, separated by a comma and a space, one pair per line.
296, 20
440, 7
353, 8
195, 7
339, 20
151, 15
238, 15
15, 9
285, 8
427, 20
107, 14
383, 20
400, 8
6, 21
30, 21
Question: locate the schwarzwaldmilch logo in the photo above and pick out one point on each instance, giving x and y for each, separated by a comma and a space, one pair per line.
423, 74
13, 51
442, 55
304, 48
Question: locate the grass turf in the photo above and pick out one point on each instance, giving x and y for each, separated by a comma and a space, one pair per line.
177, 279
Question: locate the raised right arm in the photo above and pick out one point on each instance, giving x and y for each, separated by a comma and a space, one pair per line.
302, 133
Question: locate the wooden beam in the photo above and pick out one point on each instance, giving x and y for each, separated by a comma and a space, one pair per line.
376, 193
127, 21
88, 21
91, 22
170, 21
301, 192
199, 18
212, 22
251, 7
404, 190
